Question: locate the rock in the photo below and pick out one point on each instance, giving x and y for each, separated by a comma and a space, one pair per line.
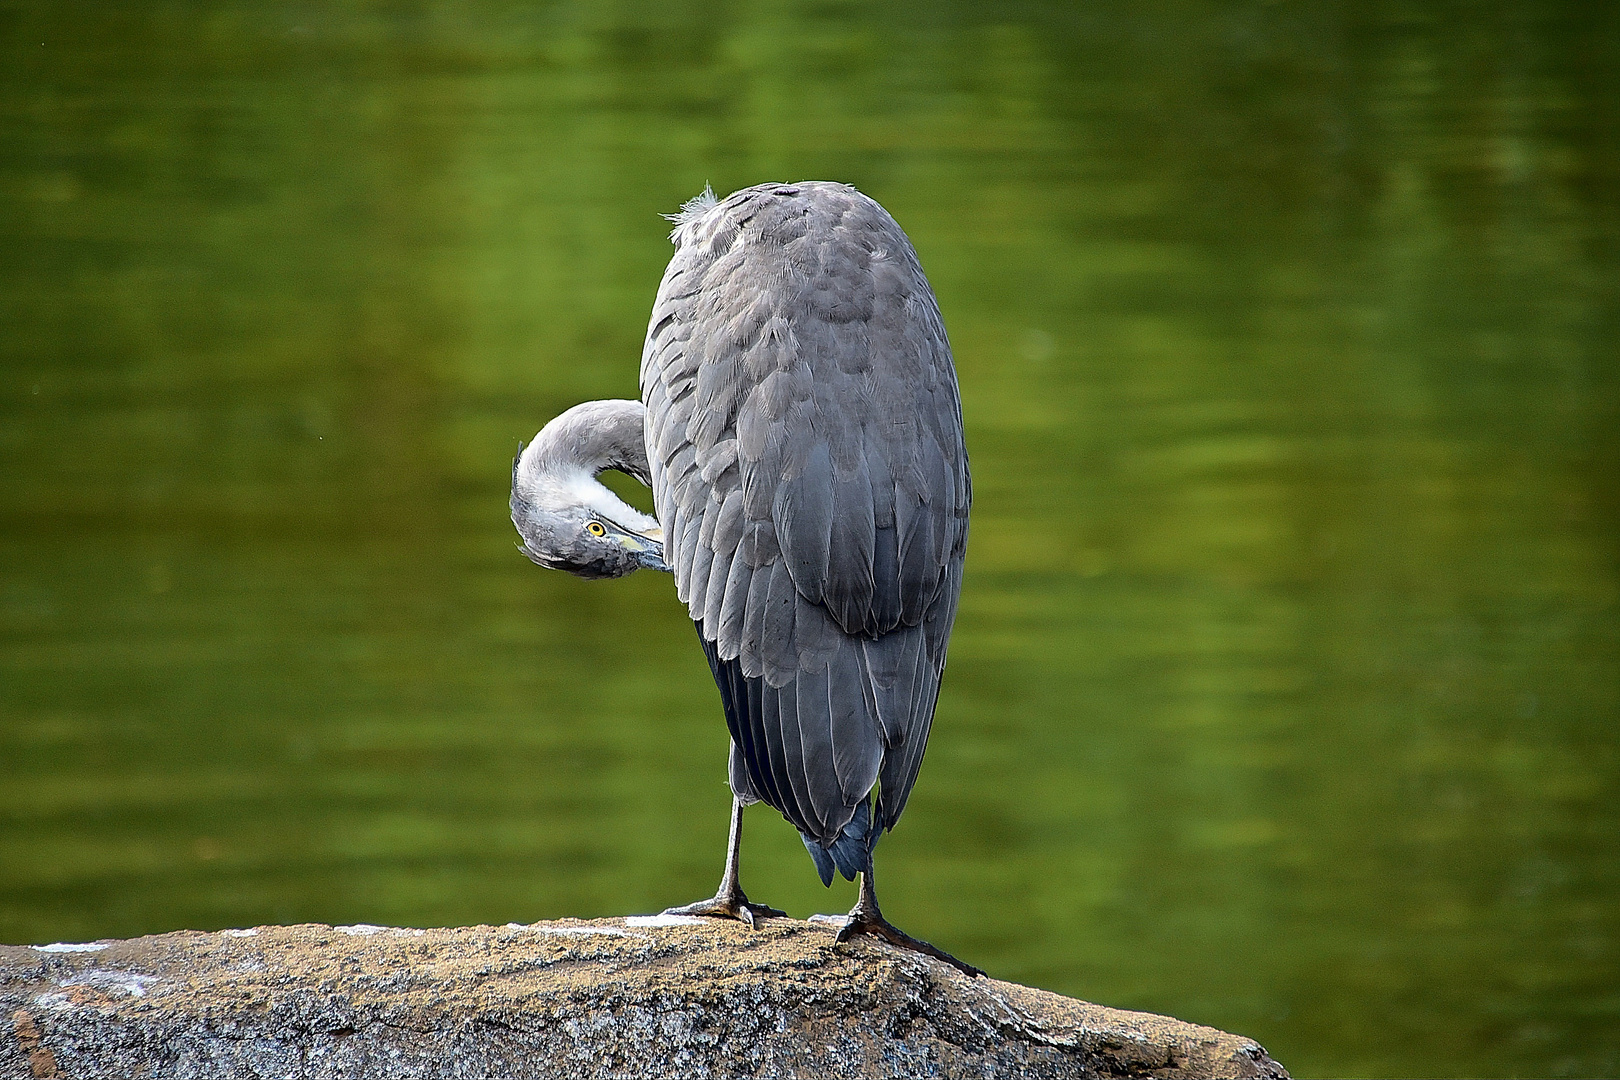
638, 997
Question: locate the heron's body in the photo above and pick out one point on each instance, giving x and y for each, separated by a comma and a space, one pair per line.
803, 442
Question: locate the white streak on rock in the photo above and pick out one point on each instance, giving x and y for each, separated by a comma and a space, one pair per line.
360, 929
70, 946
663, 920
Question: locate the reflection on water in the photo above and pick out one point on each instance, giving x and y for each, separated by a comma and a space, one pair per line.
1284, 692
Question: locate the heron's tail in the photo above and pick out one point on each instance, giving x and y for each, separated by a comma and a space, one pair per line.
851, 853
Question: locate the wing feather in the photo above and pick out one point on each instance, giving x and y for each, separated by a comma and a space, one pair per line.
728, 633
850, 588
803, 512
816, 745
857, 745
780, 727
777, 646
697, 576
714, 596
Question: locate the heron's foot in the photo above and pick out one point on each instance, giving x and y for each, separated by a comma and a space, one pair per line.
733, 905
861, 922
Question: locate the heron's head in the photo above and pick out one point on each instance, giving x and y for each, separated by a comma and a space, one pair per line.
567, 518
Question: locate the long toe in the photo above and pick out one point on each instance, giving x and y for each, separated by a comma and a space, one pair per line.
716, 907
883, 928
728, 907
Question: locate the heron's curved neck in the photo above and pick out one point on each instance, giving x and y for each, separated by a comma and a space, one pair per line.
559, 468
594, 436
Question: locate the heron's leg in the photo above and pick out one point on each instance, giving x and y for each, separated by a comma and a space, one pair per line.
866, 918
730, 902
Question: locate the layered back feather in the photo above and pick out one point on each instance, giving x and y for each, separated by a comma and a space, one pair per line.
804, 437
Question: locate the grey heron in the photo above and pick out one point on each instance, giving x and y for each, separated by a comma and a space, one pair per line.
801, 430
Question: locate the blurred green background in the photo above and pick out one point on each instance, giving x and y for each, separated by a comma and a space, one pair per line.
1285, 690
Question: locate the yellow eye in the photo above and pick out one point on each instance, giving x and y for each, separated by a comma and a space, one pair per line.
596, 528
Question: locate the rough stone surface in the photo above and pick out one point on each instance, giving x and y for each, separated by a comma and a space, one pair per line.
615, 997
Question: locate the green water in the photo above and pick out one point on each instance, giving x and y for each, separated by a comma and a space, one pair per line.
1285, 691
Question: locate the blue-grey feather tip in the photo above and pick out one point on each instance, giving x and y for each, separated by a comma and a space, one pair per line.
819, 856
851, 853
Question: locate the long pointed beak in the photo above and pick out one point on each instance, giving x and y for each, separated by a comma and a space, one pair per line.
651, 552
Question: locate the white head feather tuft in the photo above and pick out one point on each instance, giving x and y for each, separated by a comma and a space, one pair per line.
692, 209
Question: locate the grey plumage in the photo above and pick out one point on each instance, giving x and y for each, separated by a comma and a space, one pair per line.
804, 446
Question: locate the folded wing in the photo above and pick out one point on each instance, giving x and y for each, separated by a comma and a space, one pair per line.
804, 434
